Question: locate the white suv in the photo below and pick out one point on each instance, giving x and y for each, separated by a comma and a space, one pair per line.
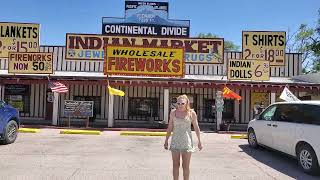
292, 128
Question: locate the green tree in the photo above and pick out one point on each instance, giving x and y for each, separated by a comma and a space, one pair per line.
306, 40
228, 45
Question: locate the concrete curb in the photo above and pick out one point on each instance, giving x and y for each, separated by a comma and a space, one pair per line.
239, 136
86, 132
141, 133
28, 130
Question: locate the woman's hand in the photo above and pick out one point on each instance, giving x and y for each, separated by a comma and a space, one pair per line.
200, 146
165, 145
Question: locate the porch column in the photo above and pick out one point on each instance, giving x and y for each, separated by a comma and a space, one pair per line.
55, 109
166, 106
273, 98
110, 110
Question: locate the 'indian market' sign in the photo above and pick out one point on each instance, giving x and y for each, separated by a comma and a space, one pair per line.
18, 37
264, 45
30, 63
145, 19
241, 69
90, 47
144, 61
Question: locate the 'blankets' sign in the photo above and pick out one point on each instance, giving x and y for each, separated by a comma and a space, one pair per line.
90, 47
241, 69
264, 45
18, 37
144, 61
31, 63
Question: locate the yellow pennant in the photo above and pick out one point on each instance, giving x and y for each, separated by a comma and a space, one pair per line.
116, 92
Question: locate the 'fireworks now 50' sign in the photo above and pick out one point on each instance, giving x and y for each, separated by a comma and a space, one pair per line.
144, 61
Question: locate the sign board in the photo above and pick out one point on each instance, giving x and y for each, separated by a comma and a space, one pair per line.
144, 18
31, 63
90, 47
144, 61
242, 69
18, 37
264, 45
78, 108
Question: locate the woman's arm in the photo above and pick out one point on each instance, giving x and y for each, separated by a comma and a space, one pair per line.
169, 129
196, 128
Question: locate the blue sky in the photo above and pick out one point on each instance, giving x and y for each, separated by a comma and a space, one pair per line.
226, 18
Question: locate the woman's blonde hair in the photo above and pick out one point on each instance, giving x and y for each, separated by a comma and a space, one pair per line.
188, 101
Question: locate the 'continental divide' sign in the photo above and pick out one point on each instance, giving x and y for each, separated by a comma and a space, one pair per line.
144, 61
18, 37
143, 18
241, 69
264, 45
90, 47
31, 63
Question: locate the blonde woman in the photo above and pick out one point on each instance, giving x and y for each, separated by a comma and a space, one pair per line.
182, 145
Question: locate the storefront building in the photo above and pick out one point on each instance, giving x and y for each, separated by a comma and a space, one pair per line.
148, 99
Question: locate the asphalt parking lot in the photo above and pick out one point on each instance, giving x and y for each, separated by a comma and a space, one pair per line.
50, 155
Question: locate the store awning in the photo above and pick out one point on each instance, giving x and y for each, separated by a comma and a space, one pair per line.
197, 81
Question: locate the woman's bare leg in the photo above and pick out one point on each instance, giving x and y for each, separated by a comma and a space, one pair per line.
186, 156
175, 165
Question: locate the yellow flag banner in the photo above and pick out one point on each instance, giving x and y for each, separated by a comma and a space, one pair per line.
116, 92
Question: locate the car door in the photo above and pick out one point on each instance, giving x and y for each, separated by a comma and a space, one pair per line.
263, 126
284, 127
1, 116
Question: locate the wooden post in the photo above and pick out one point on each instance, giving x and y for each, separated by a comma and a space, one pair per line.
87, 124
69, 121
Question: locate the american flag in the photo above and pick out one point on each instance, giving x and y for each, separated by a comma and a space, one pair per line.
57, 87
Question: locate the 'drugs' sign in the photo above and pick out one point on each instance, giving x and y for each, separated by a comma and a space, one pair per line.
241, 69
144, 61
264, 45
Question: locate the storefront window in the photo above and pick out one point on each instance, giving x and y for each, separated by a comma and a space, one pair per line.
228, 109
146, 107
18, 96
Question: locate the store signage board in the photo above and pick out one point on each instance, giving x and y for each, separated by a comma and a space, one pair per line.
144, 61
18, 37
78, 108
264, 45
243, 69
31, 63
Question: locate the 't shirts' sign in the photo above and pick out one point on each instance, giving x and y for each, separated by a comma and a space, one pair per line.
241, 69
144, 18
90, 47
264, 45
144, 61
30, 63
18, 37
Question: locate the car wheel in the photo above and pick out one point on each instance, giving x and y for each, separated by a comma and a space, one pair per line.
11, 132
252, 139
307, 159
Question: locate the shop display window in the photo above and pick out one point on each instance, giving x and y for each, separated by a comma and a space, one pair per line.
145, 107
18, 96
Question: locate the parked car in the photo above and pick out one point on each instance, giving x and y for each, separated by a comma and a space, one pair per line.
292, 128
9, 123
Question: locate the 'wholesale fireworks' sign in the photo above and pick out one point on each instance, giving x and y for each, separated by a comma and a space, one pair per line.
90, 47
18, 37
264, 45
144, 61
145, 19
31, 63
242, 69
